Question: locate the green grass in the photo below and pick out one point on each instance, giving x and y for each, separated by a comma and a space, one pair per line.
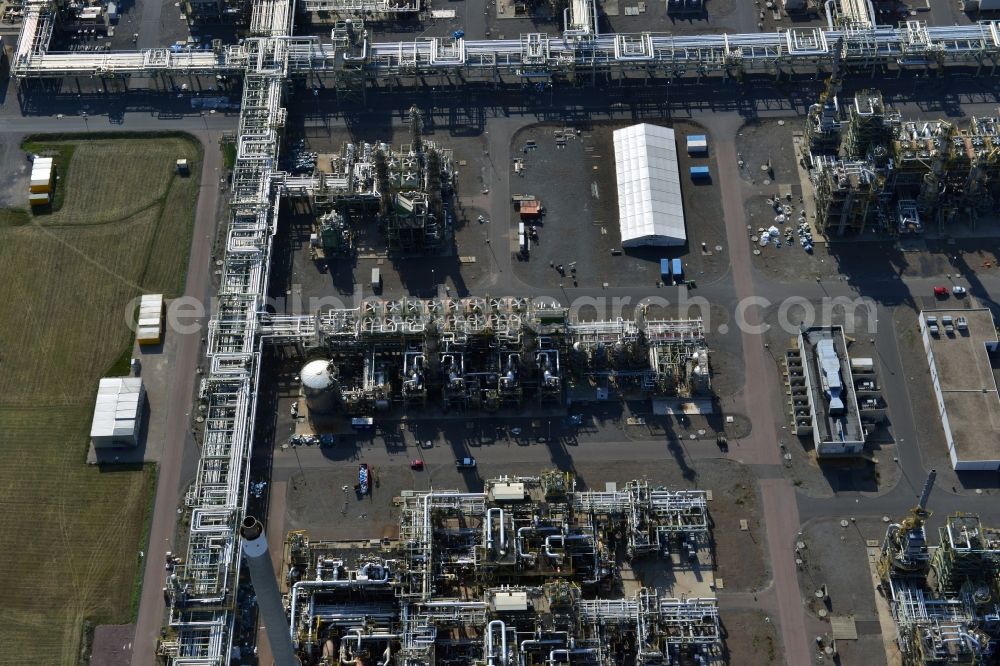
147, 522
63, 154
71, 532
112, 179
228, 154
14, 217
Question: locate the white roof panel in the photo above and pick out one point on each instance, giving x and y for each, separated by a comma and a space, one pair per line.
117, 408
650, 209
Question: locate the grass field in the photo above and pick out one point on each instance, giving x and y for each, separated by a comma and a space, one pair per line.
70, 533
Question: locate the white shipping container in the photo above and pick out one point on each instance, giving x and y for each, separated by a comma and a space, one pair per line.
862, 364
147, 335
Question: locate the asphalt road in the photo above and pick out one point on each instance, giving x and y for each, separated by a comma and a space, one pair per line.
178, 437
780, 515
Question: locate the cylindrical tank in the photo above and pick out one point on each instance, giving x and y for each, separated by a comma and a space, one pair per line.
319, 383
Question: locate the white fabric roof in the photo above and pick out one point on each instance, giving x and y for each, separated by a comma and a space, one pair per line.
117, 409
650, 209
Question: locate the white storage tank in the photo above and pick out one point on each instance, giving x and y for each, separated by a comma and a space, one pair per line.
319, 383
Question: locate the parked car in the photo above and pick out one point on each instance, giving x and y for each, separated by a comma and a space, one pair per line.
417, 464
941, 292
364, 479
465, 463
958, 290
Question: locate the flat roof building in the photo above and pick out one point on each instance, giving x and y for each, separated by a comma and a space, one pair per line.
829, 387
958, 344
650, 210
118, 412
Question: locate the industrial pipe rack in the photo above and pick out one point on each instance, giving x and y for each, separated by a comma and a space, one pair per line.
202, 591
518, 531
861, 48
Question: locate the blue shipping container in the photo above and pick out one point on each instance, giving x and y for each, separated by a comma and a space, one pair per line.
699, 172
676, 269
664, 268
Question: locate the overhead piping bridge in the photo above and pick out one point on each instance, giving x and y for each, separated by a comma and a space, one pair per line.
912, 43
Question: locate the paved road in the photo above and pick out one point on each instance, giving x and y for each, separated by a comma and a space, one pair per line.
130, 122
780, 514
177, 436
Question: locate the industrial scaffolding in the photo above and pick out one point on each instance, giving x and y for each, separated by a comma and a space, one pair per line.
522, 573
581, 55
368, 10
944, 599
482, 353
406, 188
871, 169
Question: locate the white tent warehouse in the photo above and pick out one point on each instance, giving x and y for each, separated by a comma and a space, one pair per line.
650, 209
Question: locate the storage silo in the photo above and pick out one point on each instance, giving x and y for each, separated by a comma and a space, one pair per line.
319, 383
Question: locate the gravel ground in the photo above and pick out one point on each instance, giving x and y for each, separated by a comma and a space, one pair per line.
750, 639
836, 475
112, 645
837, 557
577, 186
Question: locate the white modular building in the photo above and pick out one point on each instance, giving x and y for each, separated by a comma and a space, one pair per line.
118, 412
650, 209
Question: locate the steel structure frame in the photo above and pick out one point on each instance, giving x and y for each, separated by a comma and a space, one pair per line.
363, 8
913, 43
662, 625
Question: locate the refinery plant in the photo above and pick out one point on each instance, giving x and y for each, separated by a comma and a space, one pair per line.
487, 353
527, 572
873, 170
944, 599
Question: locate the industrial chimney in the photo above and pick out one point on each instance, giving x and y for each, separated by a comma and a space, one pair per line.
265, 586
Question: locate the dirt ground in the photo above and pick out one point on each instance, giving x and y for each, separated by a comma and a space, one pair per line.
577, 186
